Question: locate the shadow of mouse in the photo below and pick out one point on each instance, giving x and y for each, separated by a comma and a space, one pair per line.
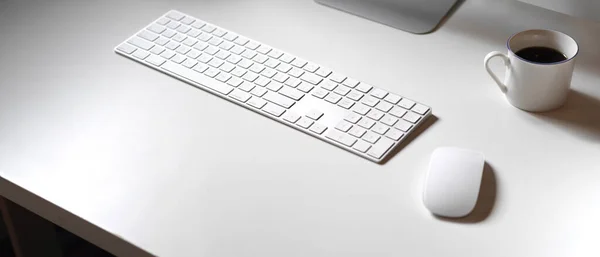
580, 116
485, 200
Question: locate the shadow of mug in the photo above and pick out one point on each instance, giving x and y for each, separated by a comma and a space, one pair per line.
485, 200
580, 116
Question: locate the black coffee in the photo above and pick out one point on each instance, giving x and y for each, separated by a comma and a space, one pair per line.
541, 54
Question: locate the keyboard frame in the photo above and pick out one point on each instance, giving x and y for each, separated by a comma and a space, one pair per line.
279, 119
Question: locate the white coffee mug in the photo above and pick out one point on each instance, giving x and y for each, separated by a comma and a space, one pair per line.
532, 86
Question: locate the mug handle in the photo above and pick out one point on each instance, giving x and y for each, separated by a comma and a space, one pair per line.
504, 57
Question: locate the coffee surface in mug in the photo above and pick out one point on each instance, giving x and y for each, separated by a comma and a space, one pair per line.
541, 54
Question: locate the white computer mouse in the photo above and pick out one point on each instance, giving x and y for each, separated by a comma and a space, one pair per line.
453, 181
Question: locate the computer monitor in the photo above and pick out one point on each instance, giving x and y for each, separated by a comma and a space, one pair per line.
415, 16
423, 16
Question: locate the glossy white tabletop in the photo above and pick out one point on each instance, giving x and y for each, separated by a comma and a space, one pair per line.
111, 145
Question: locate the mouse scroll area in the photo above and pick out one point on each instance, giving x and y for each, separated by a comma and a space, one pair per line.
453, 181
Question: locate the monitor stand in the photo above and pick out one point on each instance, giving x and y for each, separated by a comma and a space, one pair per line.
415, 16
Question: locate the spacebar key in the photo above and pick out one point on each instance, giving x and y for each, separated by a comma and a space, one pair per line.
197, 77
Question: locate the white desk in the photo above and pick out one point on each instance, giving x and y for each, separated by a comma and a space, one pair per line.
115, 151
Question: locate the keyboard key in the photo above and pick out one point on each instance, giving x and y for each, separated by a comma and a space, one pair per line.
208, 28
357, 131
344, 126
355, 95
172, 45
240, 95
189, 63
274, 86
291, 117
319, 93
407, 104
145, 34
311, 78
329, 85
182, 49
369, 100
246, 86
252, 45
230, 36
299, 62
269, 73
375, 114
280, 77
227, 67
412, 117
293, 82
250, 76
397, 111
305, 87
275, 54
362, 146
380, 148
384, 106
200, 67
190, 41
284, 67
352, 117
394, 134
161, 41
245, 63
304, 122
257, 68
155, 59
273, 109
193, 54
198, 24
341, 90
234, 59
346, 103
241, 41
341, 138
215, 62
205, 37
323, 72
272, 63
314, 114
183, 29
169, 33
223, 77
234, 81
141, 43
167, 54
179, 37
389, 120
392, 98
249, 54
361, 109
126, 48
287, 58
338, 78
258, 91
371, 137
175, 15
295, 72
333, 98
172, 24
263, 49
318, 128
420, 109
311, 67
262, 81
178, 58
350, 82
403, 125
362, 87
380, 128
187, 20
211, 72
366, 123
199, 78
194, 33
219, 32
215, 41
379, 93
260, 58
278, 99
163, 20
291, 93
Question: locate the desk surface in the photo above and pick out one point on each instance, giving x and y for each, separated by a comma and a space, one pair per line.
117, 152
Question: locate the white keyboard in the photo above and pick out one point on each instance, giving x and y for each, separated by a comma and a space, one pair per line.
340, 110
